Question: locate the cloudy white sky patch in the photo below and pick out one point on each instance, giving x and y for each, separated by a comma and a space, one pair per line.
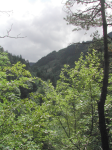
41, 21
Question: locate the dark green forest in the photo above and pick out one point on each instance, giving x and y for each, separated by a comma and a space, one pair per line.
64, 100
40, 113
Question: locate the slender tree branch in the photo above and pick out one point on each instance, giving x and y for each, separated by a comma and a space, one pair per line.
109, 24
8, 31
91, 110
7, 12
67, 134
67, 123
14, 37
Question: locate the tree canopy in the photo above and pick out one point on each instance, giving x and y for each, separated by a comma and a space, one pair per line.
94, 14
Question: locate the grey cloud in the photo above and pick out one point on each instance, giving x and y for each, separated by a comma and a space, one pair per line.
44, 34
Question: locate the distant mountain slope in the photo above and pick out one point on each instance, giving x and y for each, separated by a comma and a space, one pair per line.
14, 59
49, 67
31, 63
62, 56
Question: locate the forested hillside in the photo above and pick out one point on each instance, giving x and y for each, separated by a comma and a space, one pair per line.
49, 67
63, 101
14, 59
51, 118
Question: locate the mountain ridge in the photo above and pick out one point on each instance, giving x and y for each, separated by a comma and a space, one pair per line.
49, 66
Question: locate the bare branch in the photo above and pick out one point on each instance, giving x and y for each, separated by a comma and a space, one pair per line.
7, 12
109, 24
14, 37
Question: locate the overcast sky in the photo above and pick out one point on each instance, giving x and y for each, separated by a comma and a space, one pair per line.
41, 23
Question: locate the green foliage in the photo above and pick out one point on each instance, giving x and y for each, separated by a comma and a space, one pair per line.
73, 105
23, 124
17, 73
14, 59
52, 118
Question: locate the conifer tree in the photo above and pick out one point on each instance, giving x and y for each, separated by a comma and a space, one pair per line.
94, 13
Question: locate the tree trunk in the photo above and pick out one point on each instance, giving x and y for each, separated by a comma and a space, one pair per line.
102, 124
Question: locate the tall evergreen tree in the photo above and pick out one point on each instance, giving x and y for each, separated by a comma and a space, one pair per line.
94, 14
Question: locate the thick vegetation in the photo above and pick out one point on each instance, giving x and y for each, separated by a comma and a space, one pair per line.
73, 112
53, 118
